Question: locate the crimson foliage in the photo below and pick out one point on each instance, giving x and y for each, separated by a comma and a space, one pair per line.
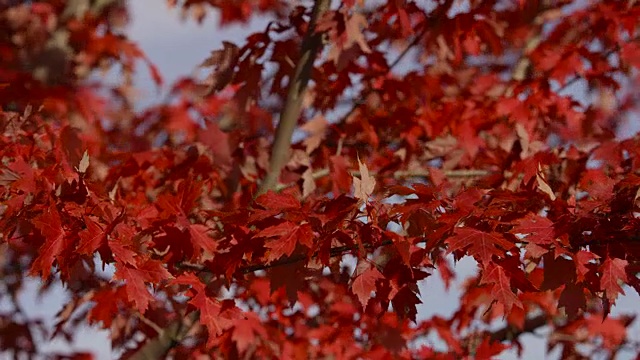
490, 124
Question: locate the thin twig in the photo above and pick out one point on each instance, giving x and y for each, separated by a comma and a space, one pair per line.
403, 174
150, 323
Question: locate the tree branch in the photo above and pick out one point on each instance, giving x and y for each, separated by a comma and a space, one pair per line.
175, 332
461, 173
311, 44
168, 337
510, 332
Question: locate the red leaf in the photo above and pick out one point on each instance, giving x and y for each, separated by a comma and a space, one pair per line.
613, 273
539, 230
340, 174
488, 349
107, 301
573, 300
613, 332
215, 315
405, 303
278, 201
364, 284
50, 226
276, 230
91, 238
245, 331
154, 271
482, 245
289, 238
218, 143
200, 239
630, 53
121, 252
501, 290
583, 259
135, 287
22, 176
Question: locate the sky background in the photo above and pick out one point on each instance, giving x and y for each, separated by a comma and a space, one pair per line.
177, 47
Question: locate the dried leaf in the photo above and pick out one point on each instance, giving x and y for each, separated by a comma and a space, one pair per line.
365, 184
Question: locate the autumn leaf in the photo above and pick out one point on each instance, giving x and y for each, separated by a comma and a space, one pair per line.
583, 260
84, 163
288, 237
365, 184
50, 226
479, 244
214, 315
482, 148
135, 286
501, 286
316, 128
488, 349
572, 299
201, 240
278, 201
222, 61
246, 331
543, 185
91, 238
106, 305
364, 284
613, 274
539, 230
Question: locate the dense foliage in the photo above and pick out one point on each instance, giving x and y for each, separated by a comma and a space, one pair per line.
424, 132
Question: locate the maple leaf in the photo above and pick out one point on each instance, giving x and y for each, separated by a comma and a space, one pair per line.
121, 252
572, 299
613, 273
612, 331
290, 277
91, 238
488, 349
354, 26
365, 185
222, 61
106, 305
481, 245
245, 331
50, 226
21, 174
289, 235
278, 201
501, 289
432, 125
340, 174
217, 141
405, 303
364, 284
558, 271
216, 316
540, 230
583, 259
134, 285
201, 240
